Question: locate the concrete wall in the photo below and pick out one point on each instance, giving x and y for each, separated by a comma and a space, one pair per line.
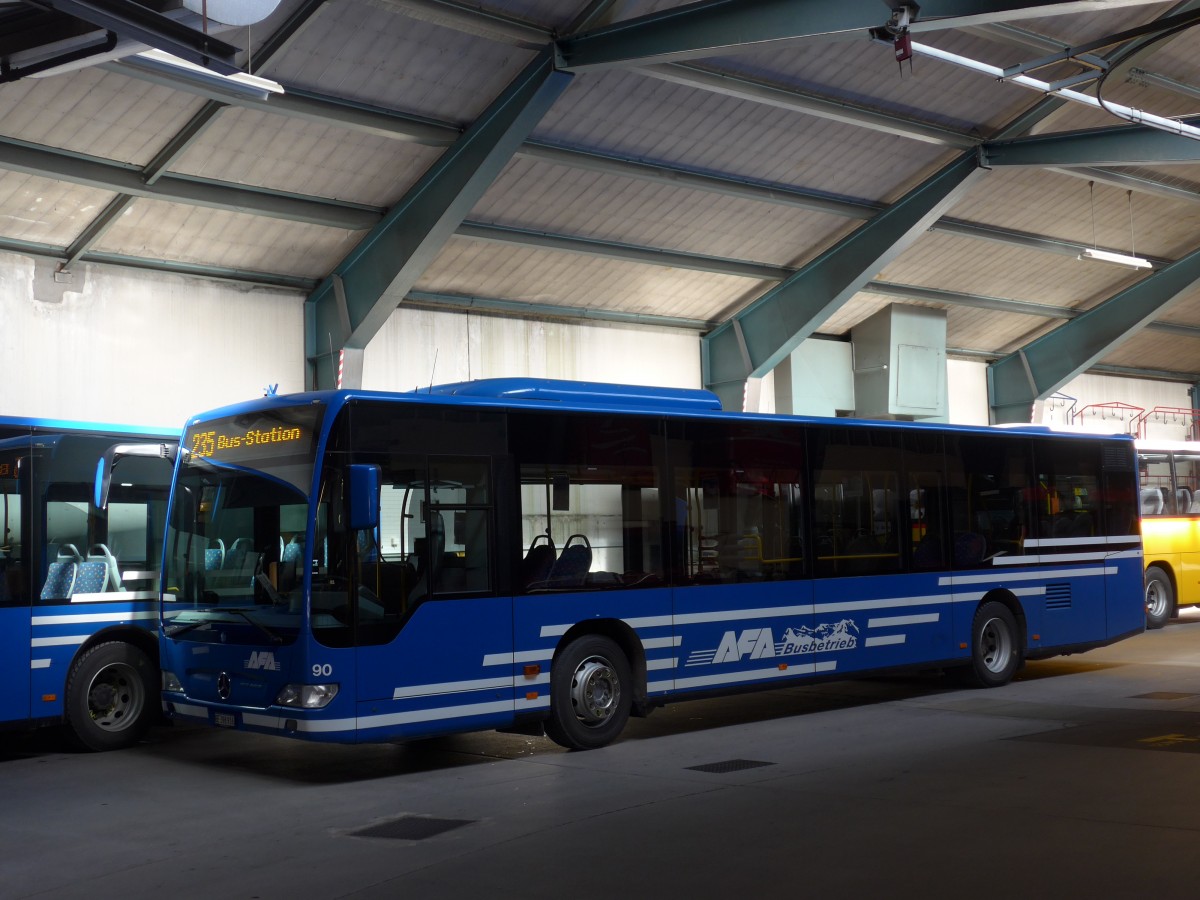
118, 345
419, 346
123, 346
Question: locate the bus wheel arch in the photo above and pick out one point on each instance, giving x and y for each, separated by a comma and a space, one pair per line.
111, 692
597, 675
1160, 595
997, 641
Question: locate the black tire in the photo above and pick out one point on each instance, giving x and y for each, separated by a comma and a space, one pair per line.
1160, 598
995, 647
591, 693
112, 692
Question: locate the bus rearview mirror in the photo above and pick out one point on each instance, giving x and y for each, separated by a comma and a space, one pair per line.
362, 499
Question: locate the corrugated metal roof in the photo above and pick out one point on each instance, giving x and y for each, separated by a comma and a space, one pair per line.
681, 190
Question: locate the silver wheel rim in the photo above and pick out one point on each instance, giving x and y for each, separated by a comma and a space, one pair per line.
1156, 599
115, 697
995, 645
595, 691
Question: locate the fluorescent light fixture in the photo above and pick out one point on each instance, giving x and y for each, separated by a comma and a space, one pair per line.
239, 83
1119, 259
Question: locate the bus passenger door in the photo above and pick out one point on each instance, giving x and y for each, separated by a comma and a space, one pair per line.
434, 645
1187, 533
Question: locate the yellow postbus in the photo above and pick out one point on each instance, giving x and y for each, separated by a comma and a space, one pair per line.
1170, 510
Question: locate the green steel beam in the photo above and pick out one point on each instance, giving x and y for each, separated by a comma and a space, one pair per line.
654, 256
108, 175
217, 273
1003, 304
351, 305
1048, 362
301, 104
512, 308
760, 336
1124, 145
720, 27
743, 87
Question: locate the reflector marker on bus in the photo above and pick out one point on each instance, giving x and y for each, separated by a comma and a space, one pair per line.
39, 664
883, 640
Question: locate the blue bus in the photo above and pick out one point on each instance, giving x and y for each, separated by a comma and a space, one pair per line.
553, 557
79, 576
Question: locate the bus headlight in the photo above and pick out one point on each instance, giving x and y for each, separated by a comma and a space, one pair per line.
171, 683
306, 696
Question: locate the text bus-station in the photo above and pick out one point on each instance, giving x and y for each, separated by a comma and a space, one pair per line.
520, 554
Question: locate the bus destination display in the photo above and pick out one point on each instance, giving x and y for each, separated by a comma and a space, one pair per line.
244, 438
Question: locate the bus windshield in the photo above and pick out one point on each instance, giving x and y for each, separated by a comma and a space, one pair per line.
236, 551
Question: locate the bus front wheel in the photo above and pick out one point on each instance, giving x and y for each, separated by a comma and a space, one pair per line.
108, 697
1160, 598
995, 646
590, 694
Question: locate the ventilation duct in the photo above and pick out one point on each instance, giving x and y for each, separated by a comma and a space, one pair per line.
900, 364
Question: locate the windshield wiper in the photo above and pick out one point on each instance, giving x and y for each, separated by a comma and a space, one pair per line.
172, 630
245, 614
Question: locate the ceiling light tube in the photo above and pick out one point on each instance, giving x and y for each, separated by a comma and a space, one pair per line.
1120, 259
240, 82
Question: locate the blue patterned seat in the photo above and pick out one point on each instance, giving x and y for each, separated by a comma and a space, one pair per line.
91, 578
214, 557
101, 554
61, 574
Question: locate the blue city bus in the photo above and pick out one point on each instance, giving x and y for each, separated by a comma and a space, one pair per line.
552, 557
79, 576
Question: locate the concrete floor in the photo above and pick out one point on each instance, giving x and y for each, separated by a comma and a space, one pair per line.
1080, 779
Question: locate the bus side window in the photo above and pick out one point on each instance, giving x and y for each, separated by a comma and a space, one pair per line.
590, 503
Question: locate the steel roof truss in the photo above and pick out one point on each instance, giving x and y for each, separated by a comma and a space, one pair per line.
1047, 363
777, 322
389, 260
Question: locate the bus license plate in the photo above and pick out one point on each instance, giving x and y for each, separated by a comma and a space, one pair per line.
225, 720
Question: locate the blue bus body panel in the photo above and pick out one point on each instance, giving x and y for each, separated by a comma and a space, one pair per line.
1125, 602
451, 668
734, 634
14, 664
540, 621
59, 631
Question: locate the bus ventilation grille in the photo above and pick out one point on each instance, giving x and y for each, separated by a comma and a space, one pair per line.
1058, 596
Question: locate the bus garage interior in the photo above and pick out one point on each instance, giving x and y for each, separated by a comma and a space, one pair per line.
951, 212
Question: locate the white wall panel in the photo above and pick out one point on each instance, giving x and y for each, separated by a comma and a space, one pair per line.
141, 348
418, 347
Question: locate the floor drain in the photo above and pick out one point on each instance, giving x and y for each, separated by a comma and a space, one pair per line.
729, 765
411, 828
1163, 695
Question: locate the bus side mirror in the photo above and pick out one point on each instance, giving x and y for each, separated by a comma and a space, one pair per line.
362, 498
114, 454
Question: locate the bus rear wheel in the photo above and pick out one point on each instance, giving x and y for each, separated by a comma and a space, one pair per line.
1160, 598
108, 696
590, 694
995, 647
